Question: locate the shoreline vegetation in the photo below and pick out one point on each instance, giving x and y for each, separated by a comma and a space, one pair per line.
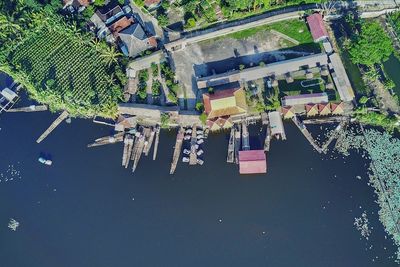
383, 151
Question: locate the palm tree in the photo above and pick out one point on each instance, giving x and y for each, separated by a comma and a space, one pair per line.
110, 55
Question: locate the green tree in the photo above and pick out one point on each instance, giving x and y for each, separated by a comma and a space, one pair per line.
203, 118
199, 106
190, 23
363, 100
389, 84
163, 20
371, 46
110, 55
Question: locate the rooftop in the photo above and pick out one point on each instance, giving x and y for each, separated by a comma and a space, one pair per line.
317, 27
252, 161
225, 103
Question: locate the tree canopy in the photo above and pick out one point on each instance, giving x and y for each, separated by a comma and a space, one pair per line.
372, 45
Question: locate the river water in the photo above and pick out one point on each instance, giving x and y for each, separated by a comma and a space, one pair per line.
86, 210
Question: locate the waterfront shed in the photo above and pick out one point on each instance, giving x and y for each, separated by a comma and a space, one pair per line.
311, 110
252, 162
337, 108
324, 109
305, 99
276, 124
317, 27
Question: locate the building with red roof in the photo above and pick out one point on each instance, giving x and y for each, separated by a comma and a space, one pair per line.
252, 161
317, 27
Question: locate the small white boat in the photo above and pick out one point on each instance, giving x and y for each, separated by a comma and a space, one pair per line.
187, 137
45, 161
188, 131
196, 146
200, 136
200, 152
200, 161
186, 151
185, 159
200, 141
199, 132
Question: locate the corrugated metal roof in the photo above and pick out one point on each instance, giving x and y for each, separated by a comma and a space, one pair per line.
317, 26
305, 99
252, 161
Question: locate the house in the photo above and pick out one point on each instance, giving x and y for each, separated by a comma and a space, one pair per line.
311, 110
305, 99
324, 109
76, 5
337, 109
151, 4
133, 40
317, 27
340, 78
109, 13
287, 112
226, 102
120, 24
252, 162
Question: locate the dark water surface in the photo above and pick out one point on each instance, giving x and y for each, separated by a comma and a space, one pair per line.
86, 210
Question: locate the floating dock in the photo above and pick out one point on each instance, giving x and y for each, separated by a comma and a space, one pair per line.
55, 123
306, 134
177, 150
118, 137
231, 147
156, 142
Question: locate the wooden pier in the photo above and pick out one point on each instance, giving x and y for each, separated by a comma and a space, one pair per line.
177, 150
245, 137
267, 141
231, 147
55, 123
193, 140
156, 142
31, 108
323, 120
237, 142
306, 133
111, 139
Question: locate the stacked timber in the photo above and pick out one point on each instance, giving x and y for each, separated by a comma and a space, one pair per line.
150, 142
177, 150
231, 147
156, 142
55, 123
138, 151
118, 137
128, 145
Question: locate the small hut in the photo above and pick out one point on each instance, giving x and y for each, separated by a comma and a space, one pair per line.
337, 108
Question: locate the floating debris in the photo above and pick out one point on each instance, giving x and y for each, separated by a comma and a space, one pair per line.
13, 224
362, 225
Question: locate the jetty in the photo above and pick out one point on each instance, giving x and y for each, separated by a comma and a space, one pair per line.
156, 142
237, 143
323, 120
231, 147
306, 133
177, 150
245, 137
106, 140
193, 140
55, 123
31, 108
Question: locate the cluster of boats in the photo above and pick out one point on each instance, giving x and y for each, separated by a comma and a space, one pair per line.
192, 150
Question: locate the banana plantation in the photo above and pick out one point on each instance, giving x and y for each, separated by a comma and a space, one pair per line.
67, 71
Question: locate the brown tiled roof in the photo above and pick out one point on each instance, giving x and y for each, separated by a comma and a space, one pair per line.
337, 108
120, 24
151, 2
322, 107
239, 107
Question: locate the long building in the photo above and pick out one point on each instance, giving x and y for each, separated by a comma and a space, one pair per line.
254, 73
305, 99
340, 78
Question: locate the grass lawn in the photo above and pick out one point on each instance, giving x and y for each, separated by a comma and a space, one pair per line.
294, 28
66, 73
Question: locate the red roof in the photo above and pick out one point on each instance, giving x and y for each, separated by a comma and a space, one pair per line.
120, 24
317, 26
149, 3
252, 161
322, 106
152, 41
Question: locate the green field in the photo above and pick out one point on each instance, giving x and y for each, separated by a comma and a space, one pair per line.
66, 73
